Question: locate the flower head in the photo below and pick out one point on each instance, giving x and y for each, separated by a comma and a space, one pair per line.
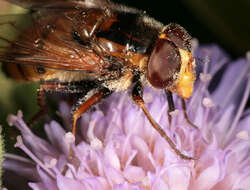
117, 148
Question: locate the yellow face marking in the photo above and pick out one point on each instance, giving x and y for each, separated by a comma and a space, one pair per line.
186, 78
162, 36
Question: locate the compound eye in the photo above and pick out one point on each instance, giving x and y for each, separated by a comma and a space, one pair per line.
177, 34
164, 64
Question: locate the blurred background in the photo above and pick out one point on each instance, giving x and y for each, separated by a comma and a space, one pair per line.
223, 22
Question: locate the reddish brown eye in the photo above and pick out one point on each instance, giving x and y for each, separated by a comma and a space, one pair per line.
177, 34
163, 64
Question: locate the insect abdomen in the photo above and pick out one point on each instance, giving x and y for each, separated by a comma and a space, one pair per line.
14, 71
23, 72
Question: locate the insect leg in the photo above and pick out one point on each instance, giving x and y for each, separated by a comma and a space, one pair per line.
52, 86
137, 97
84, 105
43, 108
171, 106
183, 104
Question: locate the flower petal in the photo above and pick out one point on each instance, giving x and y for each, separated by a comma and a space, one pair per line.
65, 183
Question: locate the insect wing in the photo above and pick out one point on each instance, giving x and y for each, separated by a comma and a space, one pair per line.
10, 27
48, 41
58, 4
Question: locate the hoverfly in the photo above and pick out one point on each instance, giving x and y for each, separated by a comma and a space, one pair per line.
96, 47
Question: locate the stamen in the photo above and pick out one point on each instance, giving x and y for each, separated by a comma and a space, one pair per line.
205, 68
17, 158
199, 93
205, 77
174, 113
20, 145
243, 135
236, 84
51, 163
69, 138
11, 119
207, 102
218, 66
94, 141
194, 44
17, 121
240, 110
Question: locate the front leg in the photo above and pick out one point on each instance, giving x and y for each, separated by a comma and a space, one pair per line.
171, 106
137, 95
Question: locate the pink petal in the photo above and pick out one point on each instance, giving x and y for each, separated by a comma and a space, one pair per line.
38, 186
134, 174
208, 177
65, 183
114, 176
111, 157
142, 153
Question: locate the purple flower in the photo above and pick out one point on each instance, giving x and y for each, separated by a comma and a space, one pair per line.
117, 148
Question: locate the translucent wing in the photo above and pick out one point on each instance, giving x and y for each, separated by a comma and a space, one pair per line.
48, 41
36, 4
